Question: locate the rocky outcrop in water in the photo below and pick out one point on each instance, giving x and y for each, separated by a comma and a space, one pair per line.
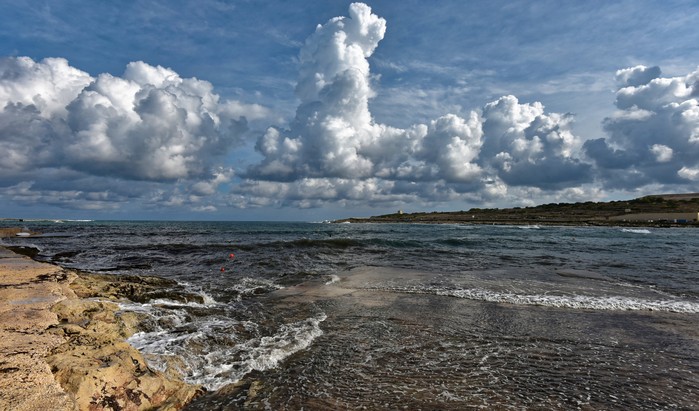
139, 289
100, 369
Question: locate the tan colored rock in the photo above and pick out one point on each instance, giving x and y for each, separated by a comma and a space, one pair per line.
59, 352
131, 287
103, 374
102, 371
9, 231
28, 289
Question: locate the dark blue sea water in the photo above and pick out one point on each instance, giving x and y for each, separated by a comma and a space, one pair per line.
346, 316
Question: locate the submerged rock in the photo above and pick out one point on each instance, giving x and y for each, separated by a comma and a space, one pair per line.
139, 289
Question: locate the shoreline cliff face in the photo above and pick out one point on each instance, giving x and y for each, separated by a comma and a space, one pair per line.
63, 345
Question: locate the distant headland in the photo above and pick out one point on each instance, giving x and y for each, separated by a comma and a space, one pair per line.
662, 210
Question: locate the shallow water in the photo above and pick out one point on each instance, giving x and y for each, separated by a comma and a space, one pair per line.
410, 316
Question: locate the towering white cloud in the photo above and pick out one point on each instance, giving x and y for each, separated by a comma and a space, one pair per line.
49, 85
33, 105
334, 139
333, 123
525, 146
654, 137
71, 139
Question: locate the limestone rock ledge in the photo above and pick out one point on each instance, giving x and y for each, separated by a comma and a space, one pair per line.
62, 352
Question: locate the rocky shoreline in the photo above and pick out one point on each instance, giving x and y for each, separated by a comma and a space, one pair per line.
63, 345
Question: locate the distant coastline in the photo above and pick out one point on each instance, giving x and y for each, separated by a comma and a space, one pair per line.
664, 210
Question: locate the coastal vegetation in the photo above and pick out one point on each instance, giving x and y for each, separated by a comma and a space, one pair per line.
654, 210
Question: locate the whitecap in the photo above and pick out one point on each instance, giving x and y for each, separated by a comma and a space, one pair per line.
207, 299
252, 286
576, 301
635, 230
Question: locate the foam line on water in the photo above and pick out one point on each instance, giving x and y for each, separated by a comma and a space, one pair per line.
613, 302
577, 301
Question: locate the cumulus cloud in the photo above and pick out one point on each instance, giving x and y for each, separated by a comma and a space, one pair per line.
689, 173
333, 135
637, 76
209, 187
79, 141
653, 138
151, 124
662, 153
526, 146
333, 122
27, 193
334, 141
49, 85
148, 125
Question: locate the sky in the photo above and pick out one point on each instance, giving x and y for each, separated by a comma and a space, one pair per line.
297, 110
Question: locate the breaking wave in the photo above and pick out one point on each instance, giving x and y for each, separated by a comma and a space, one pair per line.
635, 230
218, 350
584, 302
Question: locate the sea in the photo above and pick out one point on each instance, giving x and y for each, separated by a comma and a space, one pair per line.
316, 316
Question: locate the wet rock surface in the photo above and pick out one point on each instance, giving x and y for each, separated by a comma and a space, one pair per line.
139, 289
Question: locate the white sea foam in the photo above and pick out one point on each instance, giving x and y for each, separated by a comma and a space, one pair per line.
148, 307
251, 286
529, 227
225, 365
215, 364
576, 301
174, 339
333, 279
268, 352
635, 230
134, 307
175, 303
589, 302
207, 298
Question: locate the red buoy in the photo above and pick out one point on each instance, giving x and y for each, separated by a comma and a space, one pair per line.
223, 269
231, 256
